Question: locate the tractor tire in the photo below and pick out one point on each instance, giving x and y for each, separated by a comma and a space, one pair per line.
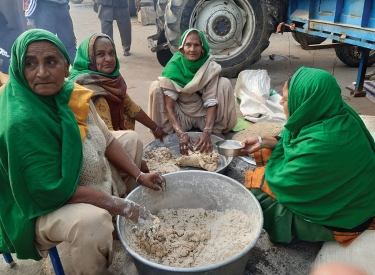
351, 56
310, 39
76, 1
160, 11
237, 32
132, 8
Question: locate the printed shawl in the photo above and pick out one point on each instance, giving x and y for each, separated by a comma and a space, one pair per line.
111, 86
323, 167
41, 151
181, 70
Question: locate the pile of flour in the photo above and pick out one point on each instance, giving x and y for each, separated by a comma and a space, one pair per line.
192, 237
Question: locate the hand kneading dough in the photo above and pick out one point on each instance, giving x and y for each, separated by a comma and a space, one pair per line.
208, 161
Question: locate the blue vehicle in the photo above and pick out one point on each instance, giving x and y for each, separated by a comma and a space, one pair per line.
238, 31
350, 25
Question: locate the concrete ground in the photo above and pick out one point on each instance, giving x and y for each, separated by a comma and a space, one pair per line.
142, 67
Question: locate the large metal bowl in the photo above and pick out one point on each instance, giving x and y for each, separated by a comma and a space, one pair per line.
196, 189
172, 143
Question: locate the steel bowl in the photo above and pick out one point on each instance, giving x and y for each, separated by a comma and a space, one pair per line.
172, 143
196, 189
229, 148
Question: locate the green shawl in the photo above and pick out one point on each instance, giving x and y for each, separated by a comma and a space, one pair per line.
181, 70
41, 152
323, 167
84, 63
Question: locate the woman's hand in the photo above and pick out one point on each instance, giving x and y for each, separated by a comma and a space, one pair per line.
185, 143
159, 133
204, 143
152, 180
251, 145
134, 212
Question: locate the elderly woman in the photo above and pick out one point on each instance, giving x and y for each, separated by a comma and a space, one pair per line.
190, 93
59, 164
97, 67
318, 184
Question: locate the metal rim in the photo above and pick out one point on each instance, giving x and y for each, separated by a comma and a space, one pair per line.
245, 251
228, 22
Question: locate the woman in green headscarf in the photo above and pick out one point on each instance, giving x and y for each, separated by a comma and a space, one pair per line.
319, 182
57, 161
190, 93
97, 67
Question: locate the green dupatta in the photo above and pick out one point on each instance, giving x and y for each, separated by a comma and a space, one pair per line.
181, 70
41, 152
323, 167
85, 59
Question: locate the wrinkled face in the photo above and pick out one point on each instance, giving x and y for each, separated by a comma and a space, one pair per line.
105, 56
192, 49
45, 68
284, 100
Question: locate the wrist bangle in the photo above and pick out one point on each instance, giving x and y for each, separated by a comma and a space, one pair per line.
260, 141
157, 128
209, 130
140, 174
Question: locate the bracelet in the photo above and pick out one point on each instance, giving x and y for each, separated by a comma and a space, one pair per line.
140, 174
260, 141
157, 128
208, 129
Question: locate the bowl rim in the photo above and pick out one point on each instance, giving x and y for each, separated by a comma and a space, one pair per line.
205, 268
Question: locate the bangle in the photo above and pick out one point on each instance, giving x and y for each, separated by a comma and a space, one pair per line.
260, 141
157, 128
140, 174
208, 129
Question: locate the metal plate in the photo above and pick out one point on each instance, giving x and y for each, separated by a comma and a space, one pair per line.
172, 143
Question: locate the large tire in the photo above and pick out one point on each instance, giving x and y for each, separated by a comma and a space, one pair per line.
351, 56
238, 32
76, 1
160, 10
310, 39
132, 8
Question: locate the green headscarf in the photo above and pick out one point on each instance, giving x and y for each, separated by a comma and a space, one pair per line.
181, 70
85, 63
323, 167
41, 151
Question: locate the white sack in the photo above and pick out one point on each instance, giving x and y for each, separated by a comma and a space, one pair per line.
361, 252
258, 102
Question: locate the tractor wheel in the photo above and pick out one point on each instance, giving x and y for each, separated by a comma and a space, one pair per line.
237, 31
160, 10
351, 56
132, 8
310, 39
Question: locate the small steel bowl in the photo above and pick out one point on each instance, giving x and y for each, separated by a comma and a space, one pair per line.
229, 148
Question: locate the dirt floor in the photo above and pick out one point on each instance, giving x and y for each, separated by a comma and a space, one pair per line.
142, 67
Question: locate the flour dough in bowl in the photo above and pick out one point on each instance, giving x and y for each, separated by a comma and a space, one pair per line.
161, 160
207, 161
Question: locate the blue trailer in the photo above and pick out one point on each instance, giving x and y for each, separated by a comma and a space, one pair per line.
349, 23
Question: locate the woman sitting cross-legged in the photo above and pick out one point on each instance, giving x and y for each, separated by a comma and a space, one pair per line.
317, 182
191, 94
